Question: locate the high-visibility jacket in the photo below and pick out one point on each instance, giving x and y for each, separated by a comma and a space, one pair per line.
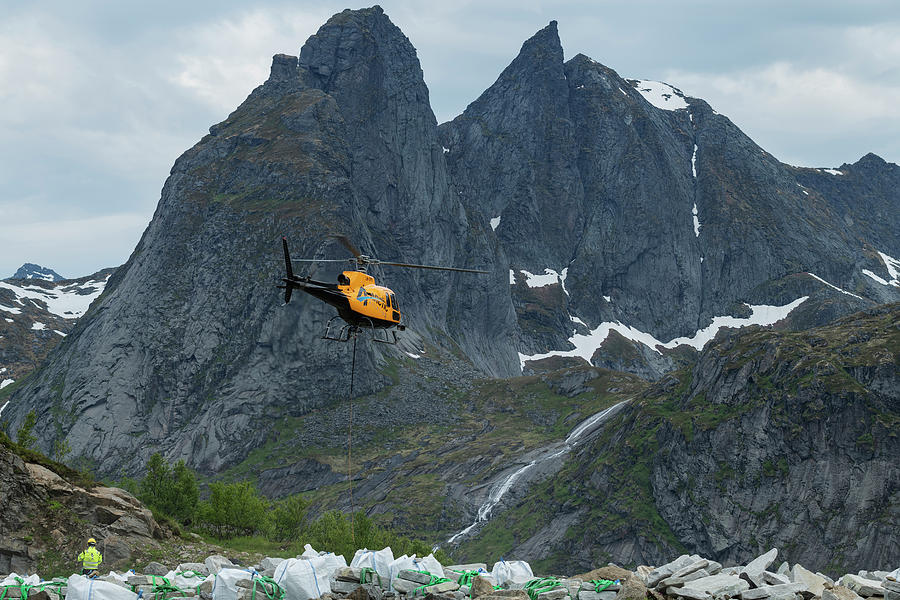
91, 558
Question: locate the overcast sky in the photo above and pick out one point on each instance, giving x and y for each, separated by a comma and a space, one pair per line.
99, 97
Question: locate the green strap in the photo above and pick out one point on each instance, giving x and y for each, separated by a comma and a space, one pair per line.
24, 587
466, 577
365, 571
601, 584
434, 581
267, 583
538, 586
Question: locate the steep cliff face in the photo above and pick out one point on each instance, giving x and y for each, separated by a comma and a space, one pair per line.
784, 440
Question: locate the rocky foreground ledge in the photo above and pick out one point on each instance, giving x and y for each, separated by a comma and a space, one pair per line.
377, 575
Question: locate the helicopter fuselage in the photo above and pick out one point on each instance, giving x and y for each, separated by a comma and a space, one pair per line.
358, 300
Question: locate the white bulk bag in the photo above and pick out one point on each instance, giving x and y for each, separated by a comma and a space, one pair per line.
184, 580
331, 562
308, 552
397, 565
512, 571
428, 563
79, 587
380, 560
303, 578
13, 579
225, 583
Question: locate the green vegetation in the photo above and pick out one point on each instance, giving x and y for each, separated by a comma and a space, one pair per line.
25, 436
170, 490
238, 516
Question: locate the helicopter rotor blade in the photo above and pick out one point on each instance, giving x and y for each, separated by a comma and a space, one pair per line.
347, 244
318, 260
411, 266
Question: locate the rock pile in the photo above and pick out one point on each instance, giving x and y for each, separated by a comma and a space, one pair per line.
377, 575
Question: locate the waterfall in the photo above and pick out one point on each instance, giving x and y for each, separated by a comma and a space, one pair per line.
576, 436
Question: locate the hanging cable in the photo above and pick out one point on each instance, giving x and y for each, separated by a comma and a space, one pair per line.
350, 437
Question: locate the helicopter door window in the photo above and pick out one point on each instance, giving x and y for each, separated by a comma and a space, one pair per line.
393, 302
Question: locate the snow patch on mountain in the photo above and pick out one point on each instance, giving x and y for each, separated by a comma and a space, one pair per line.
66, 301
832, 171
696, 221
495, 222
15, 311
549, 277
891, 264
38, 326
512, 277
694, 163
661, 95
5, 383
586, 345
814, 276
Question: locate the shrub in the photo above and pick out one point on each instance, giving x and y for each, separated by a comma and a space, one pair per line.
25, 436
234, 509
288, 518
170, 490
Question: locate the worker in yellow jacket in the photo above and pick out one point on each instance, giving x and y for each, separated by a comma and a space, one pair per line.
90, 558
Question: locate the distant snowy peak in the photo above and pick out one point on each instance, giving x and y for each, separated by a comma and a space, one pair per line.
33, 271
69, 301
659, 94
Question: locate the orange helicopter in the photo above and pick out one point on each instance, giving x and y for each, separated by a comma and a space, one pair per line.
360, 302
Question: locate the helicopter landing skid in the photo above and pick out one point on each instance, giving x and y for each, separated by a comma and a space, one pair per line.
348, 332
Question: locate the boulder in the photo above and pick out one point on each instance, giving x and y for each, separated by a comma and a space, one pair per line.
216, 563
840, 592
556, 594
891, 584
155, 568
862, 586
410, 575
755, 580
677, 582
660, 573
340, 586
813, 582
715, 585
632, 589
762, 562
366, 592
774, 578
481, 586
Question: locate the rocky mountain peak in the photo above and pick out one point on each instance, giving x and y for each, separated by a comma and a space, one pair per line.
284, 68
872, 161
33, 271
359, 47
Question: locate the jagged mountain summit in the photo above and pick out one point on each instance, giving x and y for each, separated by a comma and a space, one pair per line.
645, 212
33, 271
615, 232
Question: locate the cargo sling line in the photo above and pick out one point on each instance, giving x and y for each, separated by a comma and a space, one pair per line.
350, 436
